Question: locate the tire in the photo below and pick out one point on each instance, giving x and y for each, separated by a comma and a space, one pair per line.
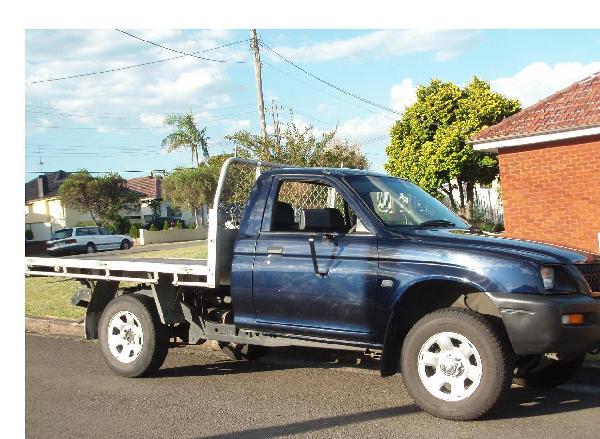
134, 316
125, 245
249, 352
455, 364
90, 248
554, 375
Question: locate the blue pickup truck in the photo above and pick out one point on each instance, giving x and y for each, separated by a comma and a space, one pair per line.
354, 260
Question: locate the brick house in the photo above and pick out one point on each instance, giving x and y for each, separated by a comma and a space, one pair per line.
150, 188
549, 155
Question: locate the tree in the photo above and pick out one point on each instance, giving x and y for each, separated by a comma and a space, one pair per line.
186, 135
104, 197
190, 188
300, 147
429, 144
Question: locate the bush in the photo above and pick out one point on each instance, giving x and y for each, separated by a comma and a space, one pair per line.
179, 225
134, 231
166, 225
28, 235
153, 228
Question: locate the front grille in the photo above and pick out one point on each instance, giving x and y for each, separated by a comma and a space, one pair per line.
591, 274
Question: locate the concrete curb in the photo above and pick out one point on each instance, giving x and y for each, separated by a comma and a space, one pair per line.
43, 325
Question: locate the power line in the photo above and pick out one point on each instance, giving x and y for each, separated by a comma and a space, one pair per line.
340, 89
118, 69
213, 118
136, 113
283, 72
180, 51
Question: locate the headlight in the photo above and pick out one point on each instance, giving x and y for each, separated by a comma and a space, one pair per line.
548, 277
557, 280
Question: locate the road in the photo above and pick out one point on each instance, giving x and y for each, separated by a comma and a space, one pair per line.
70, 393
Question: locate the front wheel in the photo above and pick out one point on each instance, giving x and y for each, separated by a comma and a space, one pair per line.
132, 339
455, 364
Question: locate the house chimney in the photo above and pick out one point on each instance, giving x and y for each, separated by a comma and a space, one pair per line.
42, 184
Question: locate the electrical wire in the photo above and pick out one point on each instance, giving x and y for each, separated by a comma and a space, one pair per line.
340, 89
136, 113
118, 69
180, 51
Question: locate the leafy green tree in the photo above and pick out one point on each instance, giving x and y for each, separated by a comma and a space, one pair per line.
134, 231
104, 197
186, 135
179, 225
190, 188
300, 147
153, 228
155, 205
429, 144
166, 225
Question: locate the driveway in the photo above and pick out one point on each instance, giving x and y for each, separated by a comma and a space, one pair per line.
199, 393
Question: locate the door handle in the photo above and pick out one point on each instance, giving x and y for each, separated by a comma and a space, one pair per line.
275, 250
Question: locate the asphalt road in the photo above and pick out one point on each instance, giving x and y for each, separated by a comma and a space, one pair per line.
70, 393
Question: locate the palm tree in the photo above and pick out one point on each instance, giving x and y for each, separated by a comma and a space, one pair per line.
186, 135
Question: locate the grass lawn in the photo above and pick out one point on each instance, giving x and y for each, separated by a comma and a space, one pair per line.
199, 251
51, 296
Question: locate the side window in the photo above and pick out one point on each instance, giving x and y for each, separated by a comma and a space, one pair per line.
310, 207
81, 232
92, 231
104, 232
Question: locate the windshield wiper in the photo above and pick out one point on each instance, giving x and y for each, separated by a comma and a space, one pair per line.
437, 222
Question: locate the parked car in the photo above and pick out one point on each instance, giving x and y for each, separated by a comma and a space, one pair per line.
86, 240
159, 222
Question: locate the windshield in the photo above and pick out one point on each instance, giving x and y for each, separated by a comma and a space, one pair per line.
62, 234
401, 203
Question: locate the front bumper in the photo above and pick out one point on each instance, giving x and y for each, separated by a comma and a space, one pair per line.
534, 326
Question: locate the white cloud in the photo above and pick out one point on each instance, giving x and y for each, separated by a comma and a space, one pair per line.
403, 95
445, 44
539, 80
237, 125
359, 128
152, 120
130, 97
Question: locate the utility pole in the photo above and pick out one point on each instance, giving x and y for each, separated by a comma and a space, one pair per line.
258, 75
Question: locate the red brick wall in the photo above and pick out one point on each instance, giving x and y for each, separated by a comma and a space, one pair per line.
551, 193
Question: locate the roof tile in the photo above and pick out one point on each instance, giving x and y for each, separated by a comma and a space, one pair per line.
574, 107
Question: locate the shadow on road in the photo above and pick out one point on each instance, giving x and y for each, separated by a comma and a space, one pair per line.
219, 368
525, 403
304, 427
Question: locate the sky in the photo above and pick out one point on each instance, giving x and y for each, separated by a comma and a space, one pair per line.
114, 121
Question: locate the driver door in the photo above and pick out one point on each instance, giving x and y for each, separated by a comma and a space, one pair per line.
312, 272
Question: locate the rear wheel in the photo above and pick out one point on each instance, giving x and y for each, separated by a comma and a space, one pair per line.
553, 375
125, 244
132, 339
455, 364
249, 352
90, 248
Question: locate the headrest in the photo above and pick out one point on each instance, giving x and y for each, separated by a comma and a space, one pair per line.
283, 215
329, 219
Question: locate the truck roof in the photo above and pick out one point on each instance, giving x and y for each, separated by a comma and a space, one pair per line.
322, 171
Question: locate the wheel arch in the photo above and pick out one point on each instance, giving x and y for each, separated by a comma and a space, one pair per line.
424, 297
